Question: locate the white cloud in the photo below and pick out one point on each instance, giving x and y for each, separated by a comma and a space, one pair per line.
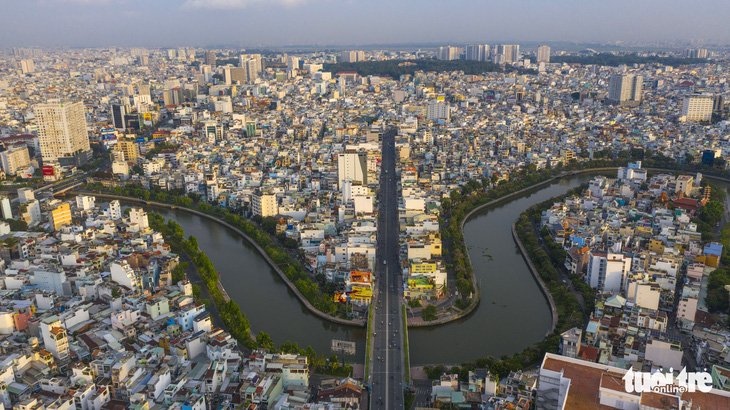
238, 4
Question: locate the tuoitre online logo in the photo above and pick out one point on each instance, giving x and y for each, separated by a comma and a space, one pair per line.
659, 382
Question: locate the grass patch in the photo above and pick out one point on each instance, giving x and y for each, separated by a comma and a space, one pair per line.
405, 347
408, 399
367, 343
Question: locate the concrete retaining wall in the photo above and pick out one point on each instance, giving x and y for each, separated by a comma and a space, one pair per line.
535, 274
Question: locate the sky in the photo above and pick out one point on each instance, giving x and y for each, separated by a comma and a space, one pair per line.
253, 23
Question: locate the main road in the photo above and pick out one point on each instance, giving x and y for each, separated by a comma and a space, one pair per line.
386, 342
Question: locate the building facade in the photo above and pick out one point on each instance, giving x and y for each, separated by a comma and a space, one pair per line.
62, 133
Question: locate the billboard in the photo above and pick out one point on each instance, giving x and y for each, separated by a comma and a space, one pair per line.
107, 137
49, 171
108, 130
140, 139
359, 277
147, 116
361, 293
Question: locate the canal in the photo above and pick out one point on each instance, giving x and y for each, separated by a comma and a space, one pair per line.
266, 300
512, 315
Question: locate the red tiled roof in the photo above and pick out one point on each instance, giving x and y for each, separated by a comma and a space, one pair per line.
588, 353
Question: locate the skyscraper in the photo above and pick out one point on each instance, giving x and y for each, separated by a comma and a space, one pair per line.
210, 58
252, 70
543, 54
477, 52
292, 63
437, 111
62, 133
352, 165
14, 158
233, 75
27, 66
695, 53
697, 107
448, 53
118, 113
173, 96
258, 64
348, 57
506, 53
352, 56
625, 89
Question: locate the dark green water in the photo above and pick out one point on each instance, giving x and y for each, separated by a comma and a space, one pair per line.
513, 313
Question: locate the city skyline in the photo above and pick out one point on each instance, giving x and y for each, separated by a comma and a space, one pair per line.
84, 23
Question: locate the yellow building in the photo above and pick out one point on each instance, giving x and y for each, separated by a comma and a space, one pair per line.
61, 215
129, 149
656, 246
435, 241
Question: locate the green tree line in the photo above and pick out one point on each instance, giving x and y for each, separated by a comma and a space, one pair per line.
394, 69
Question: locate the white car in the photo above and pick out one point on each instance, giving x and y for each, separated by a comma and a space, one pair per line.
384, 263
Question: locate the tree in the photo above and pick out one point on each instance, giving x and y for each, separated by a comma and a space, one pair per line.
263, 340
429, 313
178, 273
196, 291
269, 225
193, 242
17, 225
717, 300
464, 286
446, 204
712, 212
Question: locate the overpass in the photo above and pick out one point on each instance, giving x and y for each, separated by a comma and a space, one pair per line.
387, 355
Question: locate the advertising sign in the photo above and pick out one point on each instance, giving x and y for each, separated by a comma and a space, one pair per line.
49, 171
107, 137
361, 293
140, 139
360, 277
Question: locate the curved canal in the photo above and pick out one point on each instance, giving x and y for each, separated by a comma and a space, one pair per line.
266, 300
512, 315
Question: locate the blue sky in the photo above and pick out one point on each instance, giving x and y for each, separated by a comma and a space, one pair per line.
341, 22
